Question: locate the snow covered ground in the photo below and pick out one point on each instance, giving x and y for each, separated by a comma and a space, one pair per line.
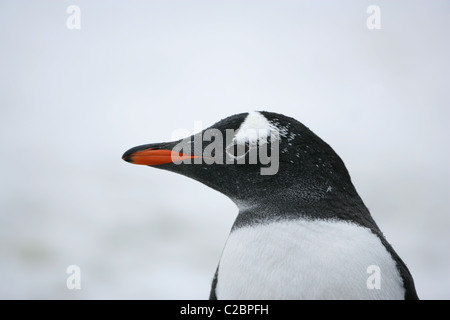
72, 101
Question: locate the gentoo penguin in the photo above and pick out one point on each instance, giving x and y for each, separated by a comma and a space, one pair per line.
302, 231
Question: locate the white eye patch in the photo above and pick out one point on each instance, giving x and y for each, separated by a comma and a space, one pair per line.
255, 130
253, 138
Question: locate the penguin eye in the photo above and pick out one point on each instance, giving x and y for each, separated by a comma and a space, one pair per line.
238, 150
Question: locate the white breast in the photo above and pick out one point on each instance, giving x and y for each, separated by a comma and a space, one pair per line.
307, 260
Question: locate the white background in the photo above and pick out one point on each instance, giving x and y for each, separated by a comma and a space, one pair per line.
72, 101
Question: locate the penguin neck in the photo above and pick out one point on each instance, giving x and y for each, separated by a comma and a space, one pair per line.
313, 203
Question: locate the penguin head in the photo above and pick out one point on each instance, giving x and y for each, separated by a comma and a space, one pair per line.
251, 156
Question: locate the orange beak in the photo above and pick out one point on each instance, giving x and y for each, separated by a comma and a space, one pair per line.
154, 157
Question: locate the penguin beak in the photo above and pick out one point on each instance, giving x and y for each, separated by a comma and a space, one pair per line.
153, 155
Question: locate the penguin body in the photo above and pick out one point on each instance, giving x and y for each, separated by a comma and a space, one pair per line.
312, 251
302, 231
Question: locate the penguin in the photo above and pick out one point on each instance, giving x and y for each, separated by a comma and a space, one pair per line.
302, 230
